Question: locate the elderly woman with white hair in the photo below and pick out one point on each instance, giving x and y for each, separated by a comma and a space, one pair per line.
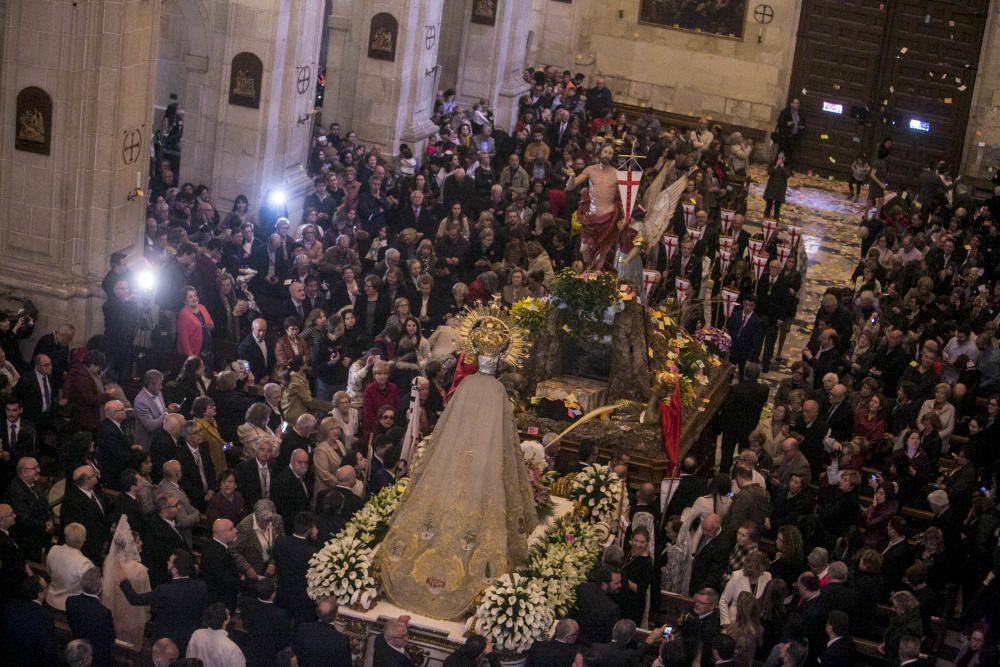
66, 565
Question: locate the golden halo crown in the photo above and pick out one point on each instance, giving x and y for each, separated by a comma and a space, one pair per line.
489, 331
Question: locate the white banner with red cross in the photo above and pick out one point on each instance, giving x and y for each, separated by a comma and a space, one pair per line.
727, 243
670, 242
727, 220
683, 288
649, 280
755, 246
689, 218
725, 258
794, 234
784, 252
729, 299
628, 189
759, 263
768, 226
695, 233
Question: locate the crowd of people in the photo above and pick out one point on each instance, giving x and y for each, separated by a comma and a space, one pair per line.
195, 475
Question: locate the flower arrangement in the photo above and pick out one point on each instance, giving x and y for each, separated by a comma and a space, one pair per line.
559, 568
717, 340
582, 301
514, 614
343, 569
596, 491
529, 313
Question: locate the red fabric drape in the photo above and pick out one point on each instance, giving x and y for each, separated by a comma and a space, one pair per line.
670, 423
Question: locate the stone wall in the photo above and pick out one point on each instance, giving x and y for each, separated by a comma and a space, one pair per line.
739, 81
982, 140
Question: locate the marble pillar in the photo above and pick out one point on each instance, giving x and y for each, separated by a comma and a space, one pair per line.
68, 201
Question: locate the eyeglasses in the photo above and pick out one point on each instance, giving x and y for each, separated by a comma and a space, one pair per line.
388, 418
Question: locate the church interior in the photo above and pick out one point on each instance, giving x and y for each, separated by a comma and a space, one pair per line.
500, 332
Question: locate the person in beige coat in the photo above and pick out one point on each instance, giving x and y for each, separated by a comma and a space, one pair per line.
328, 456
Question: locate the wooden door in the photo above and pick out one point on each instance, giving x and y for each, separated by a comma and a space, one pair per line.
908, 67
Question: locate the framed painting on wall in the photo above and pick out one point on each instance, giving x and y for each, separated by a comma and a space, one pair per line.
382, 37
245, 76
484, 11
33, 121
725, 18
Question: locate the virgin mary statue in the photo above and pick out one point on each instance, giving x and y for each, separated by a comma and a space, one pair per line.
469, 509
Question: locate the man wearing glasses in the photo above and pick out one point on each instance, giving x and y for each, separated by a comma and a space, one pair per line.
34, 526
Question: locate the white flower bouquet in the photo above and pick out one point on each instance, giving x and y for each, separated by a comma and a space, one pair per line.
596, 492
514, 614
343, 569
371, 522
559, 568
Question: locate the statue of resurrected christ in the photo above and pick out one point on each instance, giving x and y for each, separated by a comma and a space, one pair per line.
599, 213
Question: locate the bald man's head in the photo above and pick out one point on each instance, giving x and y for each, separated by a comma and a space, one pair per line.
346, 476
711, 525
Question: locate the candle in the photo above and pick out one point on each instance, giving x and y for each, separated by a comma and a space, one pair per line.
138, 180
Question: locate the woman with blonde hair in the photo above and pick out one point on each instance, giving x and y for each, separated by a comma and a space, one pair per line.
254, 428
753, 579
310, 241
941, 406
746, 629
517, 287
905, 621
345, 417
328, 456
203, 412
539, 260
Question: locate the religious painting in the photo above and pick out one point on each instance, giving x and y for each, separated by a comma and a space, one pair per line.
245, 78
484, 11
33, 121
725, 18
382, 37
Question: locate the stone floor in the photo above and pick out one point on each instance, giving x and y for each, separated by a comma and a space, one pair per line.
829, 222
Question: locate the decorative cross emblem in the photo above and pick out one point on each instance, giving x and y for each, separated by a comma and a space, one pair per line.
304, 74
763, 14
430, 36
131, 146
631, 184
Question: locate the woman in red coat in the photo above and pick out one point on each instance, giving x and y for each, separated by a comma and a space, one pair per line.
870, 421
378, 393
84, 389
194, 328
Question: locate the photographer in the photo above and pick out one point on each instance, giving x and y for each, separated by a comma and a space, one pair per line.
13, 328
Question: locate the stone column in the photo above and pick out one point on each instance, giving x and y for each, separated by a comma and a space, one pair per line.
67, 210
493, 59
258, 150
387, 101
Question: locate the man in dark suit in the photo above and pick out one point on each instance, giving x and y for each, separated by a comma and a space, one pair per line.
810, 611
710, 556
257, 351
690, 487
703, 622
38, 393
299, 436
292, 491
218, 569
291, 554
391, 644
773, 298
267, 626
811, 429
560, 651
621, 650
28, 638
166, 444
747, 333
823, 354
320, 644
83, 505
740, 413
12, 566
91, 620
839, 596
161, 538
127, 502
34, 516
176, 605
596, 610
346, 478
271, 265
838, 416
17, 438
685, 264
255, 476
896, 557
197, 471
113, 446
839, 650
416, 215
55, 345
